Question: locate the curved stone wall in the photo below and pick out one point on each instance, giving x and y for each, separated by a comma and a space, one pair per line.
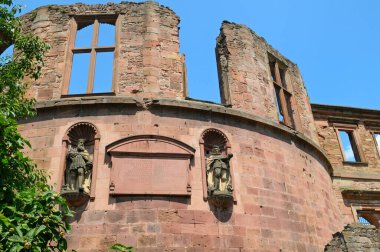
147, 186
283, 191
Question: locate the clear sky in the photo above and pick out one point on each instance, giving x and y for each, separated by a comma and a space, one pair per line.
336, 44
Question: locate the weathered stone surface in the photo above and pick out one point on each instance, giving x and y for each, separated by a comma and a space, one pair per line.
355, 237
245, 77
149, 62
284, 197
360, 178
281, 181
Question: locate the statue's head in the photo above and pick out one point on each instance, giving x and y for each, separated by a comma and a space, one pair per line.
80, 145
215, 150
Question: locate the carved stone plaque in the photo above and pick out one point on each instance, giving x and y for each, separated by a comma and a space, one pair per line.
150, 165
149, 175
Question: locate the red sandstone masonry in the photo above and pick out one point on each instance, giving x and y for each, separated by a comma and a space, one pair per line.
149, 62
350, 176
281, 193
245, 78
284, 195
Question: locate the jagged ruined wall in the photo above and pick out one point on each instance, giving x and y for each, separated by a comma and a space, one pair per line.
355, 237
245, 77
147, 43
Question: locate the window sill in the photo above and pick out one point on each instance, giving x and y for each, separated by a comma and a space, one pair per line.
88, 95
355, 163
286, 125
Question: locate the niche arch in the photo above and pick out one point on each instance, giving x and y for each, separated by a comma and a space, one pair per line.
89, 132
209, 138
150, 165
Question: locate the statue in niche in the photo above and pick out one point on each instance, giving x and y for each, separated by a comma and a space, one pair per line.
78, 169
218, 173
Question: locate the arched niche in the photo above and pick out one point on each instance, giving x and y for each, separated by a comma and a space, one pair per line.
89, 132
150, 165
209, 138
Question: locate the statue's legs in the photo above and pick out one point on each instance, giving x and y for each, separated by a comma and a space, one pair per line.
72, 181
80, 178
217, 174
67, 179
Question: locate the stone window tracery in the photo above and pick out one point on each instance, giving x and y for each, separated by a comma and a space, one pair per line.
283, 95
91, 60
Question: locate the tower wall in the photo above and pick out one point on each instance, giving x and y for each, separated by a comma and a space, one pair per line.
147, 59
282, 191
245, 78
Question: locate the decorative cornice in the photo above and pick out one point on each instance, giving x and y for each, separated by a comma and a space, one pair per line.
191, 105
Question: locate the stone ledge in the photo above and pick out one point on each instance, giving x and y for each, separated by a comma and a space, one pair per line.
356, 175
146, 103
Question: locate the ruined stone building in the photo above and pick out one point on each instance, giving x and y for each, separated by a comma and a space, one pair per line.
143, 164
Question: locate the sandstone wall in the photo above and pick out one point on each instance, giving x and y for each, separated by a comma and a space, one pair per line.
245, 77
284, 199
284, 196
362, 176
148, 62
355, 237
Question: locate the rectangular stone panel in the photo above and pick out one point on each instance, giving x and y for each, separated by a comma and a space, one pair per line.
155, 175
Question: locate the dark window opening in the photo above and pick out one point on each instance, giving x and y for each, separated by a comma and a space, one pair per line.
349, 146
369, 217
363, 220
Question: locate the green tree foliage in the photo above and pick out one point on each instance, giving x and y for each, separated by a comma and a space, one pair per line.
32, 215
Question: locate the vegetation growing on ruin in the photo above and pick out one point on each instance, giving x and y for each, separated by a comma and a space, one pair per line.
32, 214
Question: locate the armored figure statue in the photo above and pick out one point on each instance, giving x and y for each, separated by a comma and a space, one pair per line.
218, 173
78, 169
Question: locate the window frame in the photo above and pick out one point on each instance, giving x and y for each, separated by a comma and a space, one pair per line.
350, 129
76, 23
377, 146
284, 99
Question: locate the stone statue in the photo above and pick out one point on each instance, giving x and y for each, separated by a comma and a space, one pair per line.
78, 169
218, 173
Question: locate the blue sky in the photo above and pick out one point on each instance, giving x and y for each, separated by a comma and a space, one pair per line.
336, 44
